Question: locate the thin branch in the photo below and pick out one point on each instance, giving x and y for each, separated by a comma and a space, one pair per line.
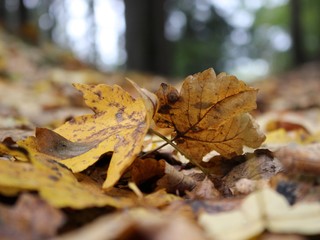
175, 147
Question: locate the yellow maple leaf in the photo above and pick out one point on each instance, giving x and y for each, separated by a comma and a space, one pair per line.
54, 182
119, 125
210, 113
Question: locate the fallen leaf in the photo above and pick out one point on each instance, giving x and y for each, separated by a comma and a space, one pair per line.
118, 125
263, 210
175, 181
54, 182
159, 198
146, 169
13, 152
300, 159
258, 166
22, 219
204, 190
138, 224
280, 137
210, 113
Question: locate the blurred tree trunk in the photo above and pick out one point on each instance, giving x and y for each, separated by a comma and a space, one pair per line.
296, 32
2, 13
92, 33
146, 46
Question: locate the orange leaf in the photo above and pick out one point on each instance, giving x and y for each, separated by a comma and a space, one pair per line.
210, 113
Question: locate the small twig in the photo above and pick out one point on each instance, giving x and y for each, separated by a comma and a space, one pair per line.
153, 150
175, 147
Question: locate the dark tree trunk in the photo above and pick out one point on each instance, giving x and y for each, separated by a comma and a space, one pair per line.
146, 46
296, 32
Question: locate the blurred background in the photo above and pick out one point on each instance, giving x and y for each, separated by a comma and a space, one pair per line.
174, 38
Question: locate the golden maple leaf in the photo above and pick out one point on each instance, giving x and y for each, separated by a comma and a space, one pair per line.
210, 113
119, 125
54, 182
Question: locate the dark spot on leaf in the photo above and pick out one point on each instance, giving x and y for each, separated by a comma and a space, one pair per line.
173, 96
99, 94
164, 86
54, 178
72, 121
164, 109
119, 115
179, 140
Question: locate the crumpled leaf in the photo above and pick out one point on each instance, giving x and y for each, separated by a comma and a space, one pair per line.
54, 182
146, 169
118, 125
258, 165
175, 180
204, 190
210, 113
263, 209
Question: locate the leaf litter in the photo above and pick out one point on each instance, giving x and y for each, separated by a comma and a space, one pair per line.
98, 161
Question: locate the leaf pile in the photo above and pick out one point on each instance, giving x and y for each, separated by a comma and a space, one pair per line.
209, 114
99, 162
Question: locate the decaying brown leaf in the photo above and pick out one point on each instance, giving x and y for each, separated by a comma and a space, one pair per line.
175, 181
300, 159
258, 166
210, 113
204, 190
146, 169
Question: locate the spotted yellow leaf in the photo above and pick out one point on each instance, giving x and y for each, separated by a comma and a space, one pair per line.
119, 125
53, 181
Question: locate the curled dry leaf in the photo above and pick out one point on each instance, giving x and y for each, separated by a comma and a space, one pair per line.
210, 113
174, 180
146, 169
258, 166
204, 190
119, 125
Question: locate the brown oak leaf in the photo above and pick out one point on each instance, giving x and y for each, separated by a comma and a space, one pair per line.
210, 113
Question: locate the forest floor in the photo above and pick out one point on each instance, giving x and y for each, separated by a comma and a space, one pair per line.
270, 192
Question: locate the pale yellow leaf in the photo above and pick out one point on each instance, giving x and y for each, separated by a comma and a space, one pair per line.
261, 210
118, 125
54, 182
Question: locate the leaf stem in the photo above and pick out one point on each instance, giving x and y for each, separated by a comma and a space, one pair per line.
175, 147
